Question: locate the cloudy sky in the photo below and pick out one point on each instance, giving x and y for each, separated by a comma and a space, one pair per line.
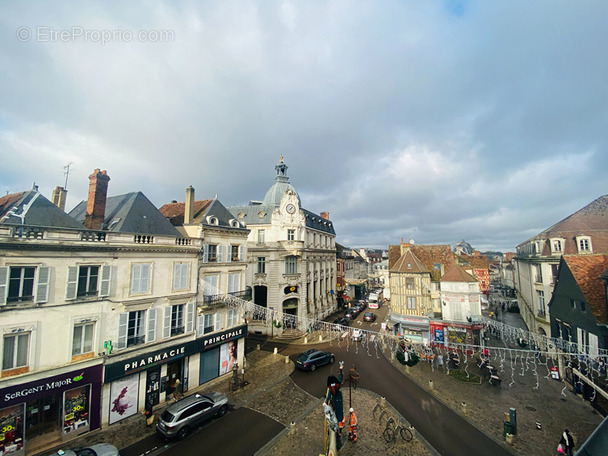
433, 120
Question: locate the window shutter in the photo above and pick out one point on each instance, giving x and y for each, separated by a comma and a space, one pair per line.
190, 317
106, 279
593, 345
240, 253
200, 325
123, 323
205, 253
580, 339
167, 325
184, 276
3, 285
177, 276
151, 325
72, 285
218, 321
145, 278
42, 290
220, 253
135, 278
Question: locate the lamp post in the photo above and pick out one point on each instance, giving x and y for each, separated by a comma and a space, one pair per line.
353, 379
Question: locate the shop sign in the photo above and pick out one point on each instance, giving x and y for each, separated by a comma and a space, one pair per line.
49, 385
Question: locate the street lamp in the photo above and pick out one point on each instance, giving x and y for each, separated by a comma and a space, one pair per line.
353, 379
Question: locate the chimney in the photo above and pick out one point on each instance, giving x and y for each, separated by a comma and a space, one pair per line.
324, 215
189, 210
59, 196
96, 204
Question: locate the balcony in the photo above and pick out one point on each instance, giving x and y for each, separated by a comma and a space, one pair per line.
222, 300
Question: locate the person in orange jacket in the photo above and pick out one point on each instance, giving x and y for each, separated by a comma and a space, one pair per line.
352, 429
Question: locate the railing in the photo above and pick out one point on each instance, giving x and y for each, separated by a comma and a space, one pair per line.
143, 239
93, 236
221, 300
183, 241
28, 232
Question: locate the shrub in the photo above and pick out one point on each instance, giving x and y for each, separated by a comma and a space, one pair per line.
462, 376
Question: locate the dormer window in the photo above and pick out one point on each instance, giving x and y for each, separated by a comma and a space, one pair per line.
584, 244
234, 223
557, 245
213, 220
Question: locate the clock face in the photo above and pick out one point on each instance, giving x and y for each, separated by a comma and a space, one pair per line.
291, 208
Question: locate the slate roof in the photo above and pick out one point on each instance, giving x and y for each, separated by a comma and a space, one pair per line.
457, 274
591, 220
409, 263
31, 208
130, 213
202, 209
588, 271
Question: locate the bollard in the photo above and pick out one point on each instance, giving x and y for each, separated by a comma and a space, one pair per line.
258, 347
464, 408
276, 350
292, 428
320, 338
431, 385
383, 402
306, 340
509, 439
286, 359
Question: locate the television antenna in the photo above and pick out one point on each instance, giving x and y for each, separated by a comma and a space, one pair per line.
66, 173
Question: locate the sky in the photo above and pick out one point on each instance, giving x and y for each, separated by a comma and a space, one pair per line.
435, 120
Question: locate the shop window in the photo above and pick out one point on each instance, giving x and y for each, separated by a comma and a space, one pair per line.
82, 340
140, 278
15, 352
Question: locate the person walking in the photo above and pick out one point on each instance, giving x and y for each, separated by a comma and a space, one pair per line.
567, 443
352, 428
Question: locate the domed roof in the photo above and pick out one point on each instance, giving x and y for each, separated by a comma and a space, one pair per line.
280, 186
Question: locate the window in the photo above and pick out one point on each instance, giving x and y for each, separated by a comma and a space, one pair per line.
177, 320
233, 282
291, 265
231, 318
554, 268
572, 304
140, 278
582, 306
131, 328
472, 287
180, 276
557, 245
538, 275
583, 245
291, 235
82, 342
15, 352
234, 253
541, 303
411, 302
210, 254
261, 236
409, 283
261, 265
211, 285
89, 281
208, 323
88, 277
21, 284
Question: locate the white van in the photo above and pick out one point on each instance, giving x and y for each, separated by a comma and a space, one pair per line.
373, 301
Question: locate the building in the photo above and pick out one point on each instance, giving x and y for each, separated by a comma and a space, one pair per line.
291, 253
536, 260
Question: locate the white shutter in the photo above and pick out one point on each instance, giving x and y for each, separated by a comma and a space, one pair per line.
240, 253
106, 281
167, 325
218, 321
184, 276
233, 282
123, 323
200, 325
220, 253
42, 290
72, 285
136, 278
151, 325
190, 317
580, 339
145, 278
593, 345
177, 276
205, 253
3, 285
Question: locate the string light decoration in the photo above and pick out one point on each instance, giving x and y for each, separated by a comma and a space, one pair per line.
533, 350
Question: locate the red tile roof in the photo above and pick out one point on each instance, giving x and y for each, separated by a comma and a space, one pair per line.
175, 211
409, 263
457, 274
587, 270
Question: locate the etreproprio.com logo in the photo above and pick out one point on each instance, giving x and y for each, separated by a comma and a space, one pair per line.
46, 34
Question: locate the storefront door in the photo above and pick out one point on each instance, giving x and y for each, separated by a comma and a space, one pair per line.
152, 387
174, 377
42, 417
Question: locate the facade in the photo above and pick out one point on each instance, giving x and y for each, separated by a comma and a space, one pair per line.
411, 305
291, 253
479, 266
536, 261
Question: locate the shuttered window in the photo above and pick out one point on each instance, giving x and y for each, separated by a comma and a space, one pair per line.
140, 278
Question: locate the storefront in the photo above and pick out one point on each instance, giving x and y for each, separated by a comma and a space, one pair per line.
448, 334
58, 408
411, 327
140, 382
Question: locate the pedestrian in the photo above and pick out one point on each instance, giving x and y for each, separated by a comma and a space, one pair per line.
566, 443
352, 428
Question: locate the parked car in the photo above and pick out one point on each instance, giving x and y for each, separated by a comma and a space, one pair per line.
361, 305
350, 314
313, 358
342, 321
180, 418
99, 449
369, 316
357, 335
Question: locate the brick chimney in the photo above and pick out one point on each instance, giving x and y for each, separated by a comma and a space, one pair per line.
189, 209
96, 203
324, 215
59, 197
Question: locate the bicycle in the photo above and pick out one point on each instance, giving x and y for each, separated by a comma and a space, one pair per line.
390, 434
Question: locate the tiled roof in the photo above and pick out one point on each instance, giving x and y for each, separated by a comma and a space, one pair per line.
476, 261
409, 263
588, 270
457, 274
33, 209
429, 255
591, 220
175, 211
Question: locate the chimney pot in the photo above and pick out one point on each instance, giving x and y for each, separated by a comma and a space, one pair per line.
189, 206
96, 202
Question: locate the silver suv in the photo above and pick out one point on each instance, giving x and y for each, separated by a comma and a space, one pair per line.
185, 415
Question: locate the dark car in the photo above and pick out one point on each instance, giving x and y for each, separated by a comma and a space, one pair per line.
369, 316
361, 305
186, 414
342, 321
350, 314
313, 358
99, 449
